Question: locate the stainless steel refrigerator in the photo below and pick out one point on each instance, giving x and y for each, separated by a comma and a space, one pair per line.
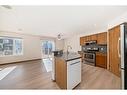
123, 34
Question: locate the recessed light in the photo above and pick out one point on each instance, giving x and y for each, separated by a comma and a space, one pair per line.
19, 29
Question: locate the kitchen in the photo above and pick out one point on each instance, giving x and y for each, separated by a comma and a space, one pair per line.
94, 52
79, 60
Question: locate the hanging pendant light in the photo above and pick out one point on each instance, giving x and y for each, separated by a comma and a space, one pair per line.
59, 36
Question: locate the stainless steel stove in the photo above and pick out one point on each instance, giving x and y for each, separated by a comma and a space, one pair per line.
89, 58
90, 49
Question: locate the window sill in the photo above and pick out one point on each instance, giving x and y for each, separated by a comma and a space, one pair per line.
11, 55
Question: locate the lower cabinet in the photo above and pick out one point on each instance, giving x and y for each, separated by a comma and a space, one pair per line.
101, 60
61, 72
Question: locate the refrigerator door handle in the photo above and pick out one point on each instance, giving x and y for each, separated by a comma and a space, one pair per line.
118, 44
122, 45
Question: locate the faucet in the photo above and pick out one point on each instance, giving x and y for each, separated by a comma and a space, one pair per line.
68, 48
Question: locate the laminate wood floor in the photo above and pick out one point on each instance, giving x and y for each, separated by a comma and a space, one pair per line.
98, 78
33, 75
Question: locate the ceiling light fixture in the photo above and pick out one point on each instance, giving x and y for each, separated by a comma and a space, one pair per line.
59, 36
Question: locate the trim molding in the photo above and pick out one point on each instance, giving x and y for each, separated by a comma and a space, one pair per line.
20, 61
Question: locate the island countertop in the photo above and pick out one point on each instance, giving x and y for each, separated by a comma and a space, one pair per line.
69, 57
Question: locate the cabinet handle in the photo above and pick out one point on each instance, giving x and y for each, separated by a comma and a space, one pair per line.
75, 63
118, 47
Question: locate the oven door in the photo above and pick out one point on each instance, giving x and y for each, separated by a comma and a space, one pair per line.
89, 57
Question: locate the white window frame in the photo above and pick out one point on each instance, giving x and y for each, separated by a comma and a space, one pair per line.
14, 54
14, 47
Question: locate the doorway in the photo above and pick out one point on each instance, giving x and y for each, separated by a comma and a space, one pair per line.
47, 48
47, 56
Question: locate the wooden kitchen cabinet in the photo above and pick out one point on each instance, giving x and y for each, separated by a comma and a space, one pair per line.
101, 60
84, 39
81, 41
61, 73
102, 38
94, 37
68, 70
114, 59
88, 38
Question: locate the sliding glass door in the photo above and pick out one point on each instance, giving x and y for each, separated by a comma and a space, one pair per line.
47, 48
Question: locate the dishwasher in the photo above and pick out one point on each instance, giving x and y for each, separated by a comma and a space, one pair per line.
73, 73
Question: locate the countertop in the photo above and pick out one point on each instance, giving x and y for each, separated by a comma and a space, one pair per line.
69, 57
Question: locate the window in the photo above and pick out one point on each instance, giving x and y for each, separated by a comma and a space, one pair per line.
18, 46
10, 46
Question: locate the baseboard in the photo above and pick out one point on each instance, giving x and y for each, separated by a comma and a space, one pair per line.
21, 61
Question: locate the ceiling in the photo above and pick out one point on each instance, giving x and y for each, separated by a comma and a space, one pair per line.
52, 20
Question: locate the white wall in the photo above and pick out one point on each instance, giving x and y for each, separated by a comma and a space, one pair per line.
31, 48
74, 42
117, 21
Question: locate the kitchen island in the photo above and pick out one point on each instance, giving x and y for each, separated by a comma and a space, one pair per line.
68, 70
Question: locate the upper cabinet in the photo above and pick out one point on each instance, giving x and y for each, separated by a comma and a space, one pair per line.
94, 37
82, 40
101, 38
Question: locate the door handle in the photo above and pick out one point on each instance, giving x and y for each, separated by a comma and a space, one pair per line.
74, 63
118, 49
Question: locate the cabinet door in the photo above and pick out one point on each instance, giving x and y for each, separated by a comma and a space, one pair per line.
102, 38
89, 38
85, 39
81, 40
114, 59
101, 60
61, 73
94, 37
